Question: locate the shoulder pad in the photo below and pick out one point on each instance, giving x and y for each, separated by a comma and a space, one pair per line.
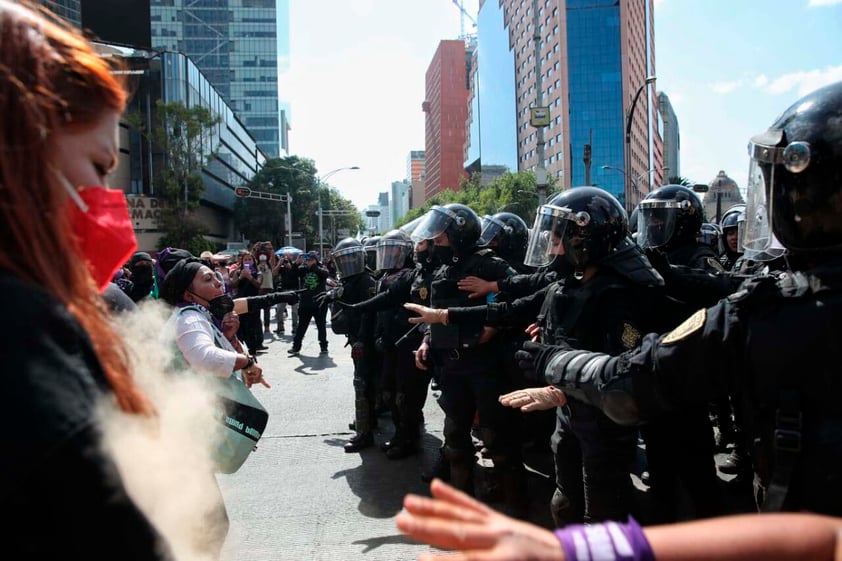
753, 286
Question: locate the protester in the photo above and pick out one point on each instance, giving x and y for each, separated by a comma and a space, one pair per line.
62, 493
453, 520
313, 277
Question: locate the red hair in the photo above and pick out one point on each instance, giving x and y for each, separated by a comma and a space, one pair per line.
52, 80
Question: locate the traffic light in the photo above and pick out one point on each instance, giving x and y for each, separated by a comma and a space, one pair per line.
242, 191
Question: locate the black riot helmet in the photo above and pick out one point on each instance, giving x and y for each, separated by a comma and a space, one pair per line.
370, 246
588, 222
459, 222
349, 256
669, 217
795, 178
709, 234
733, 219
507, 233
393, 249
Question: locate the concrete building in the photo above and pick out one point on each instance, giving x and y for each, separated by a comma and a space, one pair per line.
446, 111
399, 200
672, 137
723, 193
172, 77
591, 58
240, 46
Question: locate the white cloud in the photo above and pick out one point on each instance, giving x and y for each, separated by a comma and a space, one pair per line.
760, 81
804, 82
822, 3
725, 87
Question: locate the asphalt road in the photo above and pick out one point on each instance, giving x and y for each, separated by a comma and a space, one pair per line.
301, 497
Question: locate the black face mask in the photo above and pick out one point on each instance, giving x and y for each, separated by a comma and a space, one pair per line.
443, 254
220, 306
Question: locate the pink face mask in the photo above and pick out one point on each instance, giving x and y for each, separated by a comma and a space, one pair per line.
105, 237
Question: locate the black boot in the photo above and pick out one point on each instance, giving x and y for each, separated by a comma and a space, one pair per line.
358, 442
402, 448
440, 470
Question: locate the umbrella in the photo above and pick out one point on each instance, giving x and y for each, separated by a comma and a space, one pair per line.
289, 249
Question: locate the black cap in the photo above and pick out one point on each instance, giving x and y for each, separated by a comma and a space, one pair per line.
178, 280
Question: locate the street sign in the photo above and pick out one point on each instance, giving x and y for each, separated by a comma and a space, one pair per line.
539, 116
372, 213
242, 192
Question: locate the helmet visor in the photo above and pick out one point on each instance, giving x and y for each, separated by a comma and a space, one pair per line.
545, 239
349, 261
434, 223
391, 254
491, 229
758, 223
656, 221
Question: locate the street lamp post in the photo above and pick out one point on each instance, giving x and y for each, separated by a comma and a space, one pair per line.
629, 117
321, 180
634, 180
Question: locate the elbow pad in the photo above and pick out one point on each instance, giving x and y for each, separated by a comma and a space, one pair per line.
582, 374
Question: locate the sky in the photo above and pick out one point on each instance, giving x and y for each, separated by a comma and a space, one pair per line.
356, 79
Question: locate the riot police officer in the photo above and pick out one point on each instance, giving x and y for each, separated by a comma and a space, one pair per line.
670, 219
730, 244
771, 340
680, 449
507, 234
356, 285
466, 357
605, 296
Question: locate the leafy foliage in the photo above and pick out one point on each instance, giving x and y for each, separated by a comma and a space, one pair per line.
264, 219
185, 139
510, 192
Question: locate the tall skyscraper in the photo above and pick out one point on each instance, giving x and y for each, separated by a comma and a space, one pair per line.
238, 45
415, 165
399, 201
446, 109
592, 57
671, 137
69, 10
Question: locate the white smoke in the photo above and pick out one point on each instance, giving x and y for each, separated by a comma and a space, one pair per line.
165, 462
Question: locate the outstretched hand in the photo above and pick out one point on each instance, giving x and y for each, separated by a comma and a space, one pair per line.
534, 399
453, 520
476, 286
426, 315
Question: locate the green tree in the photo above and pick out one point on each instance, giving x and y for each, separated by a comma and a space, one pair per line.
511, 192
679, 180
185, 138
263, 219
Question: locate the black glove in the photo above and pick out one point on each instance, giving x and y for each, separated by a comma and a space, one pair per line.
289, 297
659, 261
329, 297
534, 357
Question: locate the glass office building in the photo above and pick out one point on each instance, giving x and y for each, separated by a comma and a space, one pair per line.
492, 133
595, 91
240, 48
173, 77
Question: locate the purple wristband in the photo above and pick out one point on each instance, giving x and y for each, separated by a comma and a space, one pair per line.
606, 541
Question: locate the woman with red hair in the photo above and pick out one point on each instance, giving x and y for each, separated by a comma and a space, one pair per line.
62, 236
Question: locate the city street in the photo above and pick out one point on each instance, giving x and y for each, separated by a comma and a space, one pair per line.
301, 497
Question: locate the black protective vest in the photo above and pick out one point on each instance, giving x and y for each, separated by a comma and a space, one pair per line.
563, 315
392, 323
791, 394
444, 293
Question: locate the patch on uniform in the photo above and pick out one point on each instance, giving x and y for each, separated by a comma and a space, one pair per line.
713, 263
630, 336
422, 293
690, 326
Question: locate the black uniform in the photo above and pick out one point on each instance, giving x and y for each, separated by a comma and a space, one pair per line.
469, 375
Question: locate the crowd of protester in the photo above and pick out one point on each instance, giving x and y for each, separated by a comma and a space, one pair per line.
665, 333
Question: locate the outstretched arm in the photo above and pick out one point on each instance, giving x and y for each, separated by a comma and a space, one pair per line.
454, 521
